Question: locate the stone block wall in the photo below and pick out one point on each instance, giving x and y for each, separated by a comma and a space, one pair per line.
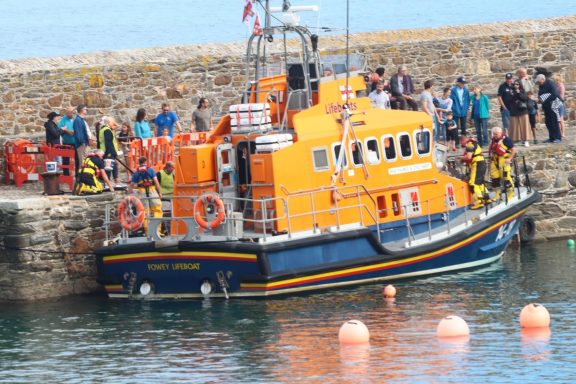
46, 246
553, 174
59, 233
118, 83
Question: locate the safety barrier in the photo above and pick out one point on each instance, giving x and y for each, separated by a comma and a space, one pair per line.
64, 155
135, 151
186, 139
158, 150
23, 161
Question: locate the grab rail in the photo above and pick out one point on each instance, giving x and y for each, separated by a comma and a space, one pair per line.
367, 211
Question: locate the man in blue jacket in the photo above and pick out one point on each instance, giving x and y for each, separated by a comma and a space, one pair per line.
81, 135
460, 103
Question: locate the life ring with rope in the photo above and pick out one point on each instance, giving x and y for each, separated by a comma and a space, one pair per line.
207, 203
131, 213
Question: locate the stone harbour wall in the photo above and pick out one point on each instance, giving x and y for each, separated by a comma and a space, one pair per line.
552, 172
60, 232
118, 83
47, 245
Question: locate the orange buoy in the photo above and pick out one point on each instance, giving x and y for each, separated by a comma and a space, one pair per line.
452, 326
353, 332
389, 291
534, 316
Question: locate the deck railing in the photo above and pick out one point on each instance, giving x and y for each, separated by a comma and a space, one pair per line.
343, 199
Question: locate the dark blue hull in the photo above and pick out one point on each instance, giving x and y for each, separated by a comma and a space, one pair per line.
316, 262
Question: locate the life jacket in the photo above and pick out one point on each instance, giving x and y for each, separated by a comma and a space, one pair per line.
102, 141
166, 183
498, 148
476, 149
89, 166
145, 181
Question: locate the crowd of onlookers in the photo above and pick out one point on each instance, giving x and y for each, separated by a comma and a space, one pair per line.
72, 128
109, 140
451, 110
518, 97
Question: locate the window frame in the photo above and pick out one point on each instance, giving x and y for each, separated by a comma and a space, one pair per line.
361, 164
374, 139
316, 167
335, 158
393, 141
399, 136
421, 130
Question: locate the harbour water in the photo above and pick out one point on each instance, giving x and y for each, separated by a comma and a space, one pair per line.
44, 28
92, 339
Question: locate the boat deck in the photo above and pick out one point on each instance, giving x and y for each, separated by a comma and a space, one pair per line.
459, 223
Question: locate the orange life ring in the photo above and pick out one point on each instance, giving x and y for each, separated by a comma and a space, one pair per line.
200, 207
131, 213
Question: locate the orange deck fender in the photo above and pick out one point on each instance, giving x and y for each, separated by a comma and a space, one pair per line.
131, 213
200, 208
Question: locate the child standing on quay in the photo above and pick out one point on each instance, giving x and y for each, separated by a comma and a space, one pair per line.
451, 129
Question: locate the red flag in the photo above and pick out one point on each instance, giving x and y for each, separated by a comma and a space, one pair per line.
257, 30
248, 12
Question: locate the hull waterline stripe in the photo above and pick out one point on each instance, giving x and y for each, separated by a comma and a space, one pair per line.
472, 264
114, 288
372, 268
148, 256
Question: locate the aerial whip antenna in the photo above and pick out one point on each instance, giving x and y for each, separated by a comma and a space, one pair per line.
347, 46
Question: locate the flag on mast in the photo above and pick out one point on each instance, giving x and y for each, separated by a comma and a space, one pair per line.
257, 30
248, 12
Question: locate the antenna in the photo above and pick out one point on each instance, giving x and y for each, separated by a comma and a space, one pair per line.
347, 47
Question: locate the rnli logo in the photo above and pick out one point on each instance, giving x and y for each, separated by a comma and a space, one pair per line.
505, 230
346, 93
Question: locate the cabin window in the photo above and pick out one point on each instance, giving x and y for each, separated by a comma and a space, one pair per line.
336, 151
327, 70
422, 138
339, 68
372, 153
357, 153
320, 157
405, 148
389, 148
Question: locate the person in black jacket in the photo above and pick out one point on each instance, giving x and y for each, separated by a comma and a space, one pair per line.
52, 131
402, 89
549, 97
